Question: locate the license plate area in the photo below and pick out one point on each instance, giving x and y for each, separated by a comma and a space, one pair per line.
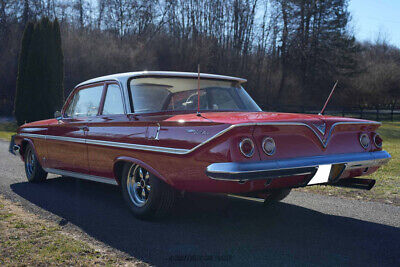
322, 175
327, 173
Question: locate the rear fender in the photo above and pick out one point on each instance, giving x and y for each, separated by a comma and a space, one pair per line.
140, 163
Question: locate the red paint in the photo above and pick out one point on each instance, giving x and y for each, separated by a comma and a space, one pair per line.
185, 130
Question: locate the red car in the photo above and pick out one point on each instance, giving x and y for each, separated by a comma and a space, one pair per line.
158, 133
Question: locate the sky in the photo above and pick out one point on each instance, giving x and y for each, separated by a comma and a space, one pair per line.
374, 18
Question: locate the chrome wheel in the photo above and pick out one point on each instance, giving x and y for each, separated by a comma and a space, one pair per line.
146, 195
138, 185
30, 162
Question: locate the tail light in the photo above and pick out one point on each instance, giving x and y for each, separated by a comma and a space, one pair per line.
268, 146
378, 140
364, 140
246, 146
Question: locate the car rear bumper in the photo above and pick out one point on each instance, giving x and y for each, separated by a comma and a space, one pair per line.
245, 171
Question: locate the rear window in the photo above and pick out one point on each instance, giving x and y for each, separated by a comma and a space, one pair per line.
155, 94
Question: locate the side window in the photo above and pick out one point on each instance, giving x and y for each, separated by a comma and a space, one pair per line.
148, 97
113, 103
85, 102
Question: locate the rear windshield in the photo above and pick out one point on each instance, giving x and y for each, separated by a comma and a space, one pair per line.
155, 94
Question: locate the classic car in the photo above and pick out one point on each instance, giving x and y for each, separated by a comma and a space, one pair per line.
156, 134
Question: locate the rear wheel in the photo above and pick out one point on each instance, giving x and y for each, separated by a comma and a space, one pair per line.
34, 172
146, 195
276, 196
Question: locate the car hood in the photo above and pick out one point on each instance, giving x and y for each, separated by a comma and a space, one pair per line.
260, 117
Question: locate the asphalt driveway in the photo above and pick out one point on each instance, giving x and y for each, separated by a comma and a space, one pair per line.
305, 229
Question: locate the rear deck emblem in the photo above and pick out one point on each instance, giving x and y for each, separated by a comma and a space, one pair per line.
201, 132
321, 127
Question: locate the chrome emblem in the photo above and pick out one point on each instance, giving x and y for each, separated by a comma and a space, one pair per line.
321, 127
200, 132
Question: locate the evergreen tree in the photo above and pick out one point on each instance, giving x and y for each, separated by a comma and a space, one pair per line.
58, 68
40, 90
21, 106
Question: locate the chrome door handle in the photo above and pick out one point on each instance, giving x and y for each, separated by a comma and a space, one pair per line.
156, 137
158, 132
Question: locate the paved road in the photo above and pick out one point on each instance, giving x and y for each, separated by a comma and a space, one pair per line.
305, 229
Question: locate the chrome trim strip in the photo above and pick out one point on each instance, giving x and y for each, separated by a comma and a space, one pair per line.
139, 147
352, 161
187, 151
109, 143
52, 137
82, 176
65, 138
296, 172
124, 76
324, 144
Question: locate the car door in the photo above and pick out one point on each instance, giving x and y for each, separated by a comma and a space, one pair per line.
67, 149
109, 132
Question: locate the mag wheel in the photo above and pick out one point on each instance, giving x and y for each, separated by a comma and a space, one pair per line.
146, 195
34, 172
277, 195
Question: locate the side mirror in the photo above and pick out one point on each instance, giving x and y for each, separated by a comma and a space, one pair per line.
58, 115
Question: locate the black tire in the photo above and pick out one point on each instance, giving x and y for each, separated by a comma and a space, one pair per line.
160, 197
34, 172
276, 196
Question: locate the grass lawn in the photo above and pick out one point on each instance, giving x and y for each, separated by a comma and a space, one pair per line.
387, 187
7, 129
27, 240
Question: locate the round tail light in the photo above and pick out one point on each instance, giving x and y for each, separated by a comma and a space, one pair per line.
364, 140
268, 146
246, 146
378, 140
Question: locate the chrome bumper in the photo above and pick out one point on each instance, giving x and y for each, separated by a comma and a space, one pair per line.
271, 169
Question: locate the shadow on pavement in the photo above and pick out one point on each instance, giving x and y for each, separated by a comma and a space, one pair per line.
214, 230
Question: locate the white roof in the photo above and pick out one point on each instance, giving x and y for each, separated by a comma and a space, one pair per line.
126, 75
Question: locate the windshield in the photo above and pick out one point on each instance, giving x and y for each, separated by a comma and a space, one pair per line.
155, 94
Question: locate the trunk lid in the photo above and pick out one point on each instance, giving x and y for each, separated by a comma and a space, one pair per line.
295, 134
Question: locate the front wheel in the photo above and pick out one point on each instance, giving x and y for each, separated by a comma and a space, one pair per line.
146, 195
34, 172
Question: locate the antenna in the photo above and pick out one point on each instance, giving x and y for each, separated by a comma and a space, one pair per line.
198, 90
329, 98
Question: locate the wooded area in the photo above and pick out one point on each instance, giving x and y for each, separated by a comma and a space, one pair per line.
291, 51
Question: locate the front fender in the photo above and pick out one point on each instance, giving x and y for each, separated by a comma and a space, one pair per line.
23, 142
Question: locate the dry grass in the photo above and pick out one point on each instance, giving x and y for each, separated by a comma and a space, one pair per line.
27, 240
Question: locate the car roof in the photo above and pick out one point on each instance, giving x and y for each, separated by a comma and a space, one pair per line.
124, 76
